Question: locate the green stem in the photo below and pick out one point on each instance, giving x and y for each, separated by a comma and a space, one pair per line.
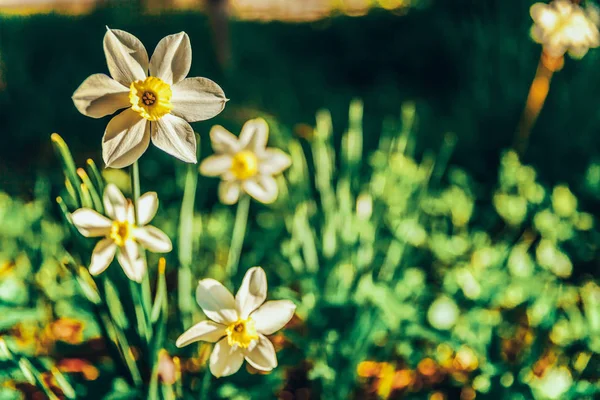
185, 248
239, 232
135, 182
205, 384
144, 289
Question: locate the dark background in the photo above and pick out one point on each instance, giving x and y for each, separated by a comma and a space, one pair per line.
467, 65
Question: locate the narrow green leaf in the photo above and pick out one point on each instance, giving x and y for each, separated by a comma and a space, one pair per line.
140, 316
86, 198
115, 307
5, 353
160, 312
352, 141
26, 369
84, 279
93, 191
34, 377
161, 291
67, 162
63, 384
95, 175
71, 196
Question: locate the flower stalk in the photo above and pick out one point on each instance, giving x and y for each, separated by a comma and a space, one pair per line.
536, 98
141, 293
185, 243
239, 232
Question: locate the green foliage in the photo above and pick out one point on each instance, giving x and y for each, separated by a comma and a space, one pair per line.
397, 264
399, 260
34, 293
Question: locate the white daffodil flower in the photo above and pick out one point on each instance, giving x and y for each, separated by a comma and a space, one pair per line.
245, 163
159, 105
239, 325
122, 233
563, 26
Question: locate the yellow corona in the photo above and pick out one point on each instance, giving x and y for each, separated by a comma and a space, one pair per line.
241, 333
120, 232
244, 165
151, 98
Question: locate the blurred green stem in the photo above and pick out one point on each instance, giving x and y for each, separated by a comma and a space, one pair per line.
144, 289
239, 232
204, 394
135, 182
186, 242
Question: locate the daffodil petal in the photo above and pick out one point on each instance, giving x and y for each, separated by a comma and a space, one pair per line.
254, 136
273, 315
115, 204
153, 239
207, 331
229, 191
564, 7
91, 224
578, 52
537, 34
543, 15
130, 212
197, 99
262, 356
274, 161
262, 187
126, 56
215, 165
131, 262
175, 136
146, 208
102, 256
228, 176
252, 293
223, 141
225, 360
126, 138
216, 301
554, 48
172, 58
100, 95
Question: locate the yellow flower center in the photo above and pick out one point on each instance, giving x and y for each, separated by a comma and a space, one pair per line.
244, 165
120, 232
151, 98
241, 333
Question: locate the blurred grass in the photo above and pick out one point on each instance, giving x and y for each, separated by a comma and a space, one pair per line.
467, 65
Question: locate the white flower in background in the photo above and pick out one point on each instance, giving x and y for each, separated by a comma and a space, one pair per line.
245, 164
563, 26
165, 97
239, 325
122, 235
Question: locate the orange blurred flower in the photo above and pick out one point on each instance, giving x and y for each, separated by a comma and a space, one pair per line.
66, 330
168, 368
78, 366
